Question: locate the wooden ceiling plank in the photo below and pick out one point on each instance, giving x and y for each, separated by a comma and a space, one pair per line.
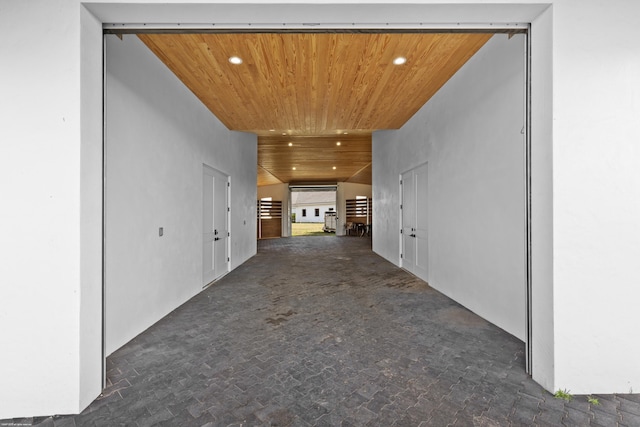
314, 157
265, 177
314, 84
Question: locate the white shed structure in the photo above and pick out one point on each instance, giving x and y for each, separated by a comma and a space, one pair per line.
310, 206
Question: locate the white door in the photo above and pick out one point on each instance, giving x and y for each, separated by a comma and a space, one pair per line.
408, 253
215, 235
415, 255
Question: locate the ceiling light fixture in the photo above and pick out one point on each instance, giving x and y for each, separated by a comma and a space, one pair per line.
236, 60
284, 134
294, 168
338, 143
291, 144
334, 168
346, 133
400, 60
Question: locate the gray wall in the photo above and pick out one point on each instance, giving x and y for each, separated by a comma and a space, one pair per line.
158, 137
470, 135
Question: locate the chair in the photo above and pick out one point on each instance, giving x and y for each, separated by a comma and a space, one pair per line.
349, 227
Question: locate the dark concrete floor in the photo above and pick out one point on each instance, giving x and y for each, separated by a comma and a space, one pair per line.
319, 331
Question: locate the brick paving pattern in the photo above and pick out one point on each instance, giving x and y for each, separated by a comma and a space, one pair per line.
319, 331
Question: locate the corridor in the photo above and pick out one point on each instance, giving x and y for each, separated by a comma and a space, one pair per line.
320, 331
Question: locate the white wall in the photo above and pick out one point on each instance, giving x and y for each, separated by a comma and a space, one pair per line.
542, 340
276, 191
158, 136
585, 233
344, 192
42, 234
91, 209
596, 195
470, 134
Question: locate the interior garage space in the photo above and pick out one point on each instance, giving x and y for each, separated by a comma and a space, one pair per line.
495, 144
454, 174
471, 135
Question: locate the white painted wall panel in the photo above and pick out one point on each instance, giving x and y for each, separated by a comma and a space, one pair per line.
40, 229
596, 190
276, 191
158, 136
542, 305
470, 133
241, 166
91, 360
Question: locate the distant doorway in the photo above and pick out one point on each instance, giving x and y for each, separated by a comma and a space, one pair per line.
313, 211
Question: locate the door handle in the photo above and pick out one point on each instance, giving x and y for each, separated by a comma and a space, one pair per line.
215, 232
216, 239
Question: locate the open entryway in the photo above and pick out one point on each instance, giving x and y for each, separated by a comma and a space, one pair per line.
313, 211
459, 173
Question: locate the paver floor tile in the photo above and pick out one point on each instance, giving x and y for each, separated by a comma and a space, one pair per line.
320, 331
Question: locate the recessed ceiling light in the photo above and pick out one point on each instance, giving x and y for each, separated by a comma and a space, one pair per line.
338, 143
334, 168
235, 60
294, 168
400, 60
272, 130
284, 133
291, 144
346, 133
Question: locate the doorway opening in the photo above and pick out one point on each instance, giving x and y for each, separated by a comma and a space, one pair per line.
313, 211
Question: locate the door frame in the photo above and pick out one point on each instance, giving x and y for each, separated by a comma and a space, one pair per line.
528, 250
227, 218
402, 213
119, 28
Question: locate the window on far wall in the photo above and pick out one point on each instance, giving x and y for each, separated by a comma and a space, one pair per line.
304, 212
317, 212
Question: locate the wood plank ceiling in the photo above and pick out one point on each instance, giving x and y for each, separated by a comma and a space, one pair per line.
314, 99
